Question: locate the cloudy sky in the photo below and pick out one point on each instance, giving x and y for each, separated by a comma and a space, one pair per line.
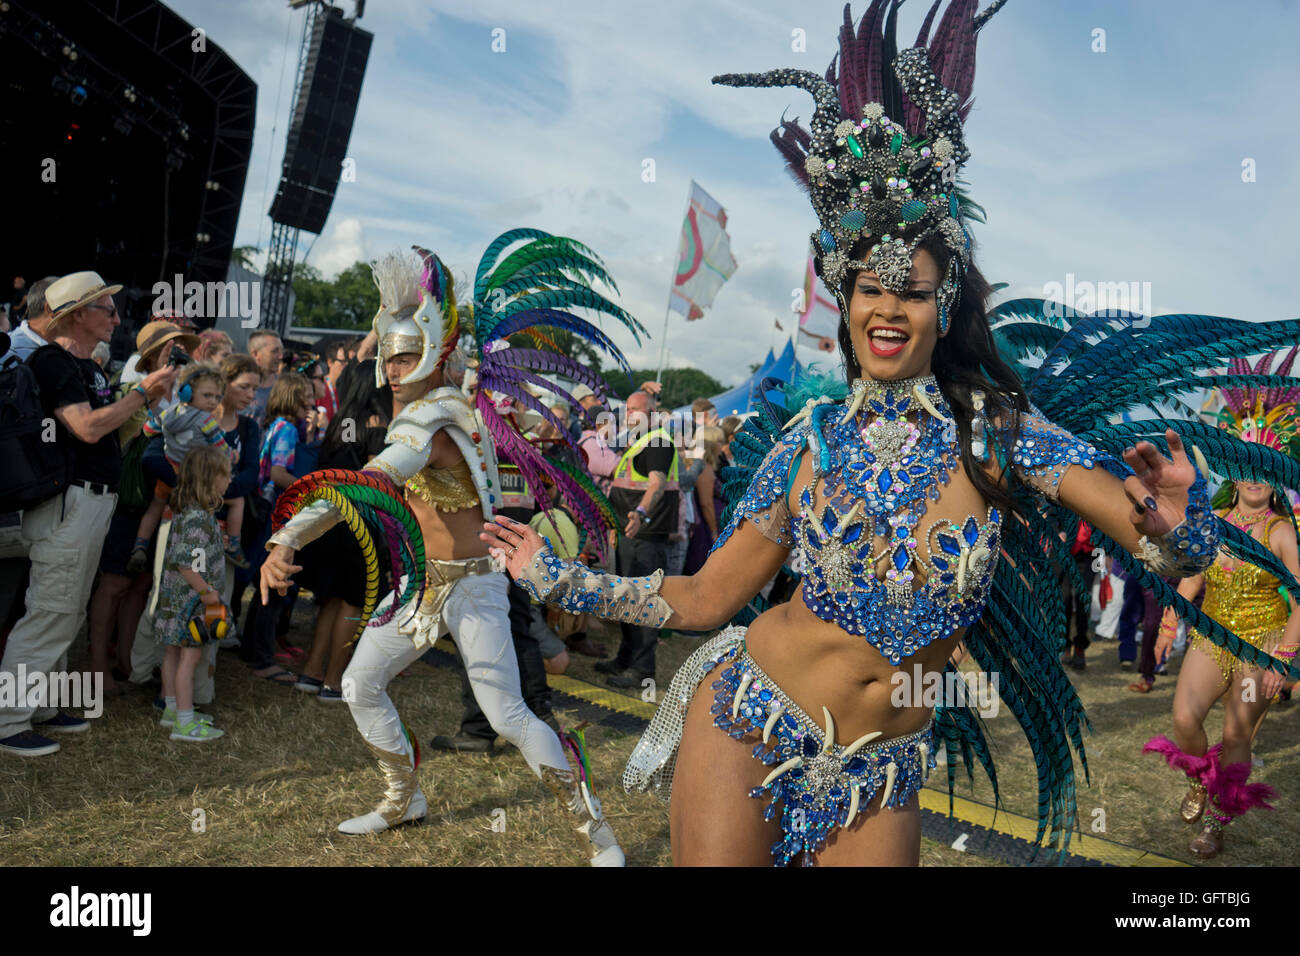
1111, 141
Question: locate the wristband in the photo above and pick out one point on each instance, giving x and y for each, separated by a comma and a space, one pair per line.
143, 394
1189, 548
642, 512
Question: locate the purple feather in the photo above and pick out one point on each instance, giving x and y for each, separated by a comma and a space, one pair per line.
495, 382
544, 361
561, 320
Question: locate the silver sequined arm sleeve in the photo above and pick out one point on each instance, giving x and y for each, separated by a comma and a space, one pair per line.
764, 501
574, 587
1044, 452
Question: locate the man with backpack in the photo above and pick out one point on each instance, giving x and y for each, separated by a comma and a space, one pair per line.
66, 531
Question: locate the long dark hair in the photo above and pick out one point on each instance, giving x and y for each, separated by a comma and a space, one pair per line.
359, 398
963, 360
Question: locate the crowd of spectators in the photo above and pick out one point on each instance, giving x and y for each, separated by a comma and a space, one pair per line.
176, 459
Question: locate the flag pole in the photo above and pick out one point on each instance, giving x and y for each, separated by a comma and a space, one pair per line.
663, 344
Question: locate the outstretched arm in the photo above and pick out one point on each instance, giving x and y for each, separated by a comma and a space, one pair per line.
733, 574
1149, 503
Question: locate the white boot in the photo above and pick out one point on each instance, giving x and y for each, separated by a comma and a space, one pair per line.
403, 800
374, 822
578, 799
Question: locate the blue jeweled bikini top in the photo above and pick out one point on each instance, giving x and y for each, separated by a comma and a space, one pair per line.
879, 472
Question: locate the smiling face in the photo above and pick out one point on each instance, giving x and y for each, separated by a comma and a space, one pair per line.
1253, 495
894, 334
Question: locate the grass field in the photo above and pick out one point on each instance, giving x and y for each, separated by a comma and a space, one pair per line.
290, 768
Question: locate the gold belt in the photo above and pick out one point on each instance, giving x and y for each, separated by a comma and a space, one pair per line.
441, 576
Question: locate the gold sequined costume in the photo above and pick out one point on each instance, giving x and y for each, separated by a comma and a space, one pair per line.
1246, 601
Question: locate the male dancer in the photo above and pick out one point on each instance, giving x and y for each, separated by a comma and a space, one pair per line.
440, 450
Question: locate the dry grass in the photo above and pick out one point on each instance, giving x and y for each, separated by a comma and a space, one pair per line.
290, 768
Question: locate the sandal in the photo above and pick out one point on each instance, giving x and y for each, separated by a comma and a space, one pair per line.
1141, 687
282, 677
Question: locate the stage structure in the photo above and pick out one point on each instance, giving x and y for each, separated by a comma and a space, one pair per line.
331, 66
127, 133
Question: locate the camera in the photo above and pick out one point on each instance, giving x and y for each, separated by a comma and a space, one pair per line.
178, 357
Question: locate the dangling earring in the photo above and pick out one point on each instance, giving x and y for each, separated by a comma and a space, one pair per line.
943, 320
1234, 497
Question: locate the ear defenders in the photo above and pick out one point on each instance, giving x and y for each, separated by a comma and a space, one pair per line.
206, 623
185, 393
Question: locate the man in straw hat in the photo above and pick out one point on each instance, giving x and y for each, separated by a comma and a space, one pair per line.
65, 534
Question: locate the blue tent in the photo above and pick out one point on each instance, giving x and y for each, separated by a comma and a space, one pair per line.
741, 399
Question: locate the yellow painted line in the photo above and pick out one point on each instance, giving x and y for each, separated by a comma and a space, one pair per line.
936, 801
599, 695
1023, 828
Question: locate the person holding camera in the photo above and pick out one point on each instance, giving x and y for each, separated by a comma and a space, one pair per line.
66, 533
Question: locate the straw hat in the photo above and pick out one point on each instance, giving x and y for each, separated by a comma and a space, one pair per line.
66, 295
157, 334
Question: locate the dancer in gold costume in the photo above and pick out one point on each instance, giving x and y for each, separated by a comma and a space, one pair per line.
1250, 602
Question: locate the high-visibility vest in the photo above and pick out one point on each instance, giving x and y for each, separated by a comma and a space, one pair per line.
625, 473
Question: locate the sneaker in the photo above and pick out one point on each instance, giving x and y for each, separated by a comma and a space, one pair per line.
628, 679
196, 731
1126, 665
309, 685
609, 667
169, 718
236, 557
63, 724
28, 744
138, 561
330, 694
228, 643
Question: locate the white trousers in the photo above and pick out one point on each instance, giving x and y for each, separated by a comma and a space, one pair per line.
477, 615
64, 537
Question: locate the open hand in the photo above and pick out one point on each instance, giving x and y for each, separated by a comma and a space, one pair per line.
511, 543
1158, 486
278, 570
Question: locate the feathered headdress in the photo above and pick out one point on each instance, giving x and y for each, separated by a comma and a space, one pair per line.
886, 144
1263, 415
528, 292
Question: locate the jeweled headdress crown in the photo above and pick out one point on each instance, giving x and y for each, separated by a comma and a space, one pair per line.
886, 144
1266, 415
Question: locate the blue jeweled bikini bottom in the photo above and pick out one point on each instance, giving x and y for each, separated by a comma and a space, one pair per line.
818, 788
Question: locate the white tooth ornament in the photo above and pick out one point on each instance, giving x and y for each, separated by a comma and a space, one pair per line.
740, 693
791, 764
859, 397
853, 804
891, 771
925, 762
829, 742
961, 570
771, 722
806, 411
817, 523
860, 743
924, 400
1201, 463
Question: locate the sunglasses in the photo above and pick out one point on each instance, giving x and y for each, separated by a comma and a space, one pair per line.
110, 309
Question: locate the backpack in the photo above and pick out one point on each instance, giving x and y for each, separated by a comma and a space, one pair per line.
32, 469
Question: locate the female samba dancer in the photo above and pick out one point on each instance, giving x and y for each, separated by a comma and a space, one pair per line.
903, 501
814, 662
1248, 599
